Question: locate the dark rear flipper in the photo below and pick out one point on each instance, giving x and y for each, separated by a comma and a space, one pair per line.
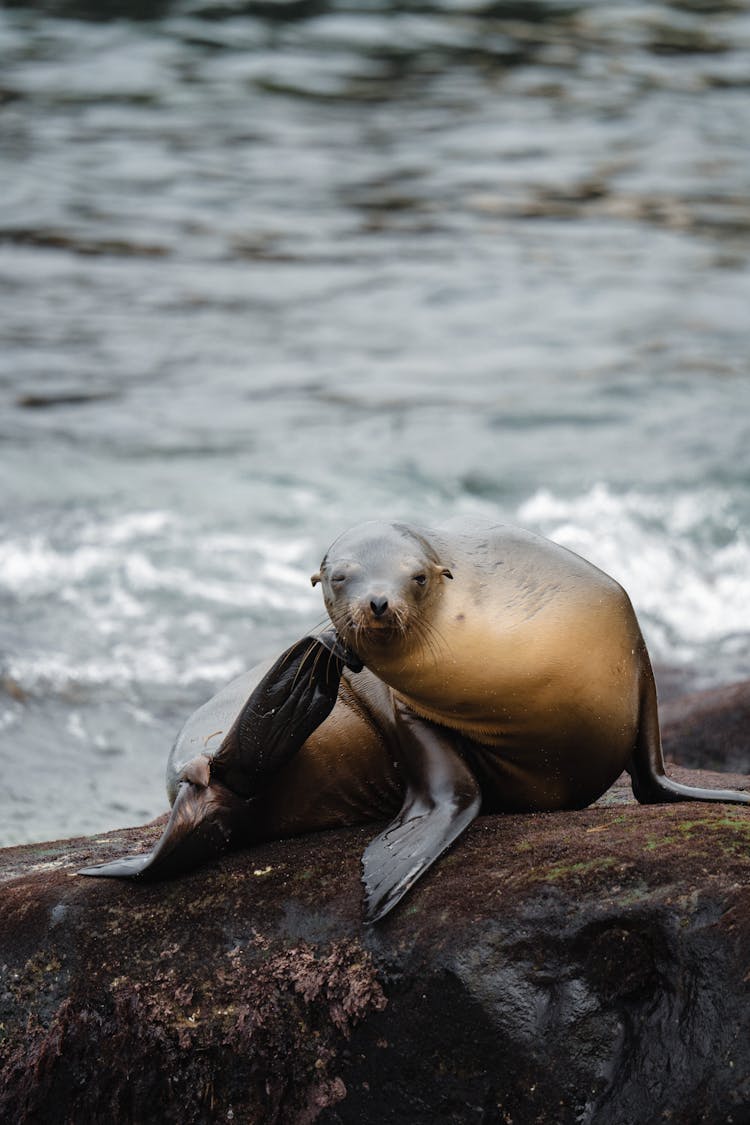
212, 806
203, 824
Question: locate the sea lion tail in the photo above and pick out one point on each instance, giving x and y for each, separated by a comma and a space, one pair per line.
651, 786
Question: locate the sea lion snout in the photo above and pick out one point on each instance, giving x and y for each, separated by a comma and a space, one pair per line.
379, 605
378, 609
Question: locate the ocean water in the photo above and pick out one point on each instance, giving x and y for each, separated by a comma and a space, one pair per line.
270, 268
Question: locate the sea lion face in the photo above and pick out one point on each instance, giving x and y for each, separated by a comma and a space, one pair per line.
377, 580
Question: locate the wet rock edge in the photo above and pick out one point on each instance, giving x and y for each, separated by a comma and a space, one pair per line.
568, 967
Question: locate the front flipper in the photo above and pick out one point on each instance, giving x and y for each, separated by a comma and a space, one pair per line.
211, 808
203, 822
289, 703
442, 798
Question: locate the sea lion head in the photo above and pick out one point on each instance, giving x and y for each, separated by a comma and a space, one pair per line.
378, 580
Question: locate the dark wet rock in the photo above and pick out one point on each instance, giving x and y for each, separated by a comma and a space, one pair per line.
673, 681
595, 198
709, 729
62, 240
569, 967
99, 11
38, 400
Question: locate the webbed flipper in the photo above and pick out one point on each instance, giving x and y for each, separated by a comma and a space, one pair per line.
215, 794
201, 826
442, 798
290, 702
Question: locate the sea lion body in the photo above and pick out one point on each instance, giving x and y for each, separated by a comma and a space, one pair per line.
536, 659
501, 672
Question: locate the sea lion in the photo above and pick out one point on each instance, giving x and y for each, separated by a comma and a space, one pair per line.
501, 672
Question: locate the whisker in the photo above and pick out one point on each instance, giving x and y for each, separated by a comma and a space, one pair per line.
430, 638
331, 656
318, 658
310, 649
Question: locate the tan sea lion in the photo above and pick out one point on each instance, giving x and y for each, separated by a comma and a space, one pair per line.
502, 673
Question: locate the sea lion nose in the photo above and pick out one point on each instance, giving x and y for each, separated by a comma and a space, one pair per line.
378, 605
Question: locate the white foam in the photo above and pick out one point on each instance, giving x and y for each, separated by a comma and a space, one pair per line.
9, 716
127, 664
132, 525
31, 567
145, 597
75, 726
133, 557
684, 561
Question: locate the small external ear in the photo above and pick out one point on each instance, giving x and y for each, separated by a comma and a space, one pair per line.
446, 573
315, 579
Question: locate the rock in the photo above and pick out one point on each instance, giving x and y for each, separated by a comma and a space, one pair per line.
571, 967
709, 729
673, 682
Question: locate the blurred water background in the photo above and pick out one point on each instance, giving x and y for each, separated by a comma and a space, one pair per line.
270, 268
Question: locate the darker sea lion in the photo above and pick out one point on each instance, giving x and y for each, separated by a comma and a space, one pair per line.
502, 672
